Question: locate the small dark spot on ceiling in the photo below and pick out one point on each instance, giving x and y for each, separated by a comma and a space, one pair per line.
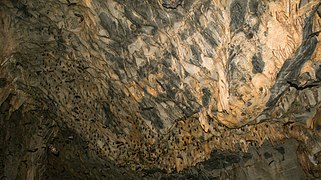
3, 82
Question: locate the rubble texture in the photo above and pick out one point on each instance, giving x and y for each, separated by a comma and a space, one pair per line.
167, 89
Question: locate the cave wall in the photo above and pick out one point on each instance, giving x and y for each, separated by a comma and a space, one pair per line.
157, 86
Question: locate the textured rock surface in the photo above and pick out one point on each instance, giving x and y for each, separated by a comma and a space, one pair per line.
127, 89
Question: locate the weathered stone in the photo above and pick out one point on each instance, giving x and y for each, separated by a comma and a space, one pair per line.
258, 63
160, 89
238, 11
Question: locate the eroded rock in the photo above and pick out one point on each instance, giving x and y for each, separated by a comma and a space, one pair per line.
157, 87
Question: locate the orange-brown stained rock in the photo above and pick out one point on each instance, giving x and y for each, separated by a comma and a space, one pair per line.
152, 87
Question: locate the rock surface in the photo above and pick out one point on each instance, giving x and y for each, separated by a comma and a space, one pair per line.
160, 89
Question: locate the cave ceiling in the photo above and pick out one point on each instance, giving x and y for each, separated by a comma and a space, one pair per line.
131, 89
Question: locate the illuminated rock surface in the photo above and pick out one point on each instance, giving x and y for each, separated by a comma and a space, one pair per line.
125, 89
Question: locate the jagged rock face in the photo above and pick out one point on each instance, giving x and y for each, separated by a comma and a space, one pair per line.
158, 86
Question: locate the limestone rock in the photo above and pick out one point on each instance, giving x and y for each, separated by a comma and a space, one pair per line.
131, 89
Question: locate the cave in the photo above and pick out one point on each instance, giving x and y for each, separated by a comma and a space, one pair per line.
160, 89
